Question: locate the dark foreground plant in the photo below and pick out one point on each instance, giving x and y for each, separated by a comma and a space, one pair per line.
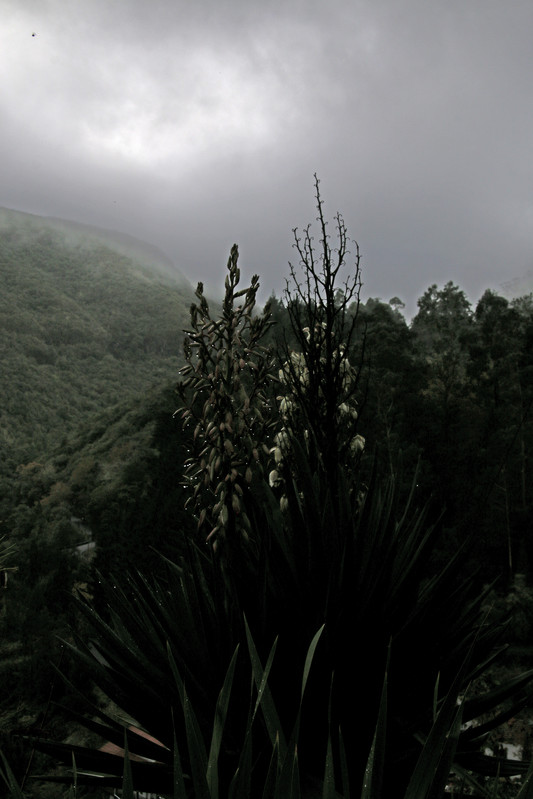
209, 661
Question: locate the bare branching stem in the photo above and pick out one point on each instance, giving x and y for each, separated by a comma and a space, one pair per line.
322, 299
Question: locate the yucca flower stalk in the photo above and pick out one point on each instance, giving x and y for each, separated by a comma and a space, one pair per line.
225, 388
322, 300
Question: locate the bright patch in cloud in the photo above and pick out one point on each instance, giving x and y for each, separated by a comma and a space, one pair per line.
207, 109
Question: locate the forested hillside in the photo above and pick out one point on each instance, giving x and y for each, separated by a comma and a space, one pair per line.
90, 330
453, 392
86, 320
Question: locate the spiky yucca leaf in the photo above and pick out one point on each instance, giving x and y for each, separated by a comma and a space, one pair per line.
360, 568
8, 777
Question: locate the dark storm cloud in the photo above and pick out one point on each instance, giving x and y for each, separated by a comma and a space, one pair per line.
196, 125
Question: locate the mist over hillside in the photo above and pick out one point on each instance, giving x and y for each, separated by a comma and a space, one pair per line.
77, 234
88, 317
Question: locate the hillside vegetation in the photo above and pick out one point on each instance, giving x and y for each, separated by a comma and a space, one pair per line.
90, 346
86, 319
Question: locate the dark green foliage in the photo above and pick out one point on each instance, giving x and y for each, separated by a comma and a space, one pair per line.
452, 393
120, 486
121, 489
474, 422
82, 326
365, 584
390, 382
86, 321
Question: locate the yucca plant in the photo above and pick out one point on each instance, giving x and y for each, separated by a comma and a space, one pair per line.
196, 759
173, 643
335, 584
224, 387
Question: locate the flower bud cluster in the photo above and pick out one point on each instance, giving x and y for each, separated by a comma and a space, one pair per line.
296, 369
224, 390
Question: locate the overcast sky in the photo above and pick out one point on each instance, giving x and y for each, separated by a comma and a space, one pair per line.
193, 124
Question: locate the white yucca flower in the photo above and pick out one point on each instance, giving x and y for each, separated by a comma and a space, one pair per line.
347, 410
298, 360
274, 480
357, 444
278, 457
285, 407
281, 439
